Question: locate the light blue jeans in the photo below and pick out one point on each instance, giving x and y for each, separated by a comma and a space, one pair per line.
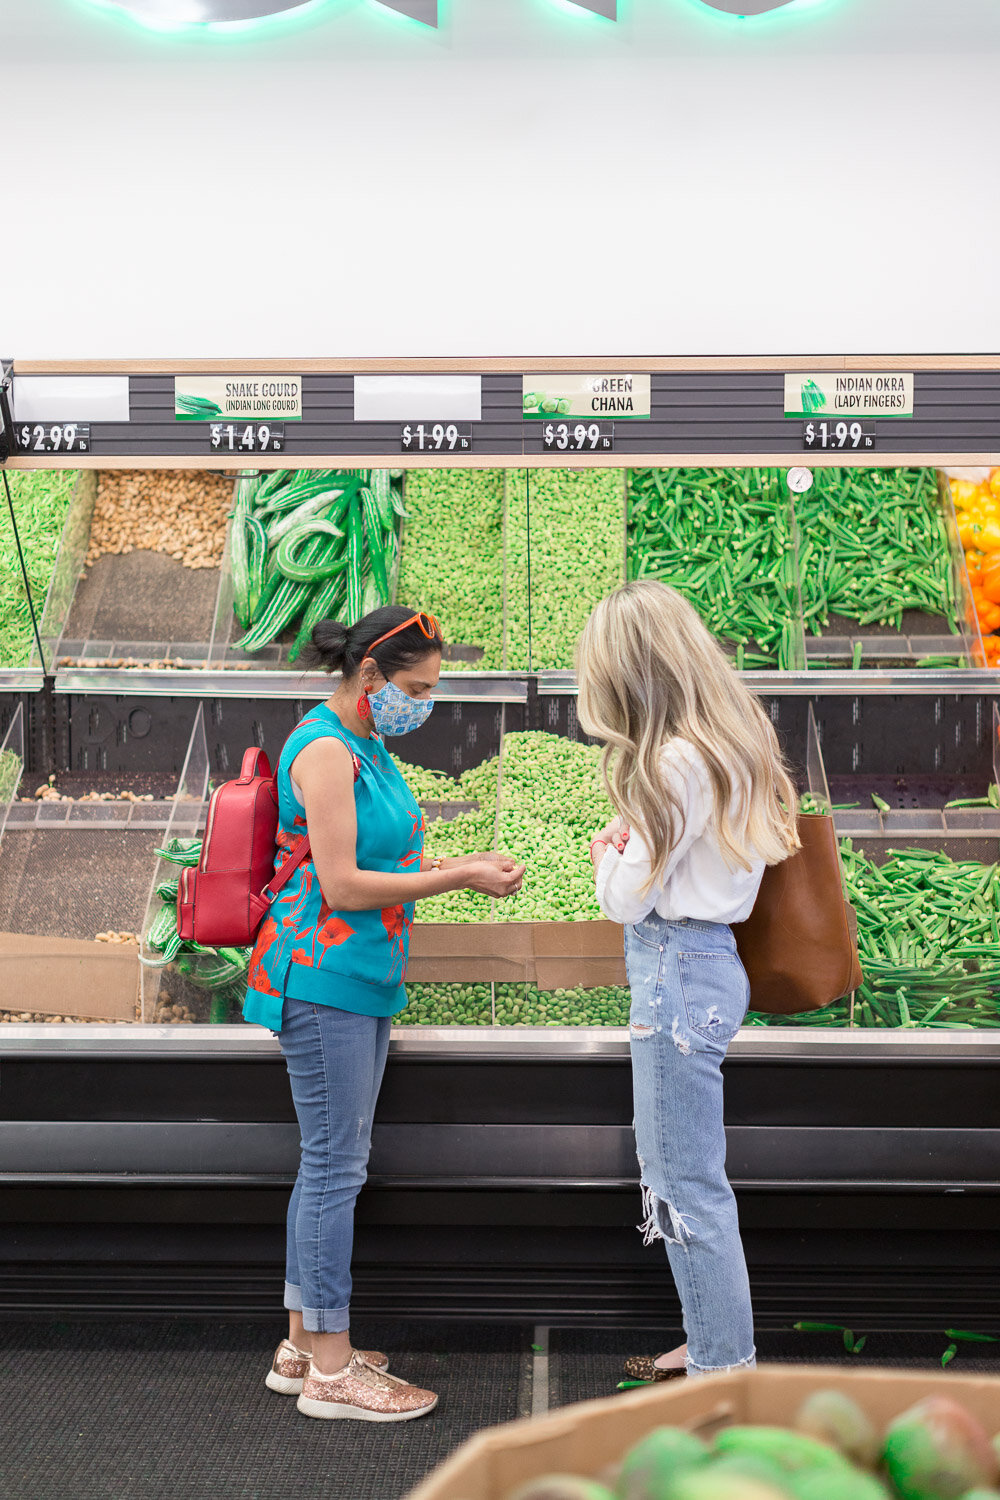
335, 1062
689, 995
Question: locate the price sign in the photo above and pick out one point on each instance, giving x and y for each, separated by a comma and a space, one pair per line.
58, 437
829, 434
579, 437
247, 437
436, 437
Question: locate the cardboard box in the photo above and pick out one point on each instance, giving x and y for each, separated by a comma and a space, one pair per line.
553, 955
470, 952
66, 976
590, 1437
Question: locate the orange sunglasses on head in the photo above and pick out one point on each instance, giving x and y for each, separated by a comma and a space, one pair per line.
429, 626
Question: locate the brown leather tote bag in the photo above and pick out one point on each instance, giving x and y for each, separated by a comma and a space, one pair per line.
799, 944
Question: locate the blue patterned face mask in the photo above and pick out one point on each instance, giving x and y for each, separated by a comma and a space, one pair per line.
395, 712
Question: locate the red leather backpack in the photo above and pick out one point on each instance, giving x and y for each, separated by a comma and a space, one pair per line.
222, 903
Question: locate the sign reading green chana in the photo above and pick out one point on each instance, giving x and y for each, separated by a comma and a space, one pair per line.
622, 397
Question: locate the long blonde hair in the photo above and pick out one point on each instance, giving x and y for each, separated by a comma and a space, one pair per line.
649, 672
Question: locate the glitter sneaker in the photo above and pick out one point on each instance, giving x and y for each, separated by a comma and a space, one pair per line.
290, 1367
362, 1393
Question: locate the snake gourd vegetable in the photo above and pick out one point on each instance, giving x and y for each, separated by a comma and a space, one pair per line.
304, 542
331, 561
355, 556
239, 557
257, 546
373, 541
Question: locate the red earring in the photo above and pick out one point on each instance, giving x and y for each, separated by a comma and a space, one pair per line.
363, 706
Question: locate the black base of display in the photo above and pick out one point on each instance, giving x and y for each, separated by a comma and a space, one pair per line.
867, 1189
864, 1279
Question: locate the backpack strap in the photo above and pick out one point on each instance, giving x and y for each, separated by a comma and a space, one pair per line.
301, 854
282, 876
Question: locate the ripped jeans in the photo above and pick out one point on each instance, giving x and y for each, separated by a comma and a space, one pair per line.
335, 1061
689, 995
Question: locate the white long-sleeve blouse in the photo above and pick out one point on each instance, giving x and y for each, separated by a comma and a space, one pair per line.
697, 881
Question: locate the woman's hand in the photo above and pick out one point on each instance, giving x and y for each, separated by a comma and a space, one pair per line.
493, 875
616, 833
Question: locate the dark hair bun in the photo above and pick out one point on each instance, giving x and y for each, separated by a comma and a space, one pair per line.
329, 639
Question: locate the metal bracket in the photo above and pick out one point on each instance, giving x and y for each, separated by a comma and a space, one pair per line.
8, 445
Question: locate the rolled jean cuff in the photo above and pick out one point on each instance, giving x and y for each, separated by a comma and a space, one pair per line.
750, 1363
293, 1297
326, 1319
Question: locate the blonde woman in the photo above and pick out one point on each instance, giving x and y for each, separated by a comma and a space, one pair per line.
704, 801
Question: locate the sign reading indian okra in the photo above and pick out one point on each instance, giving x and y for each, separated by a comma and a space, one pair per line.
312, 544
840, 394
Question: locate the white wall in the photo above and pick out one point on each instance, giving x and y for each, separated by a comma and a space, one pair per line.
823, 179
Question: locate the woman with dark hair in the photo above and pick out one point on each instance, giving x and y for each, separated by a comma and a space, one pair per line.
327, 976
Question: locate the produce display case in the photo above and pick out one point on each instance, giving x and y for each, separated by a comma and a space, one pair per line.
521, 1071
38, 502
75, 863
529, 554
118, 597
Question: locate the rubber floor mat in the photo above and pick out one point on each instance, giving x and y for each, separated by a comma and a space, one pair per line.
140, 1411
586, 1363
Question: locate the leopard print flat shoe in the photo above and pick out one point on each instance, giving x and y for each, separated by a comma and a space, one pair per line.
643, 1367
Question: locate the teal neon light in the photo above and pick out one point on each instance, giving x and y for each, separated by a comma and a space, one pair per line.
230, 16
197, 18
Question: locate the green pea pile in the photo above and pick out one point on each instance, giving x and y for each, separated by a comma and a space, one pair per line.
513, 1005
723, 538
872, 544
447, 1005
929, 943
576, 557
526, 1005
551, 805
452, 561
470, 833
41, 499
429, 786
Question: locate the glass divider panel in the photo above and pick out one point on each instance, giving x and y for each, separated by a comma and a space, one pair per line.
816, 782
796, 653
222, 623
70, 560
496, 846
965, 613
186, 821
11, 765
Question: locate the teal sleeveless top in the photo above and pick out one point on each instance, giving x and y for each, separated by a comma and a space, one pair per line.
354, 960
